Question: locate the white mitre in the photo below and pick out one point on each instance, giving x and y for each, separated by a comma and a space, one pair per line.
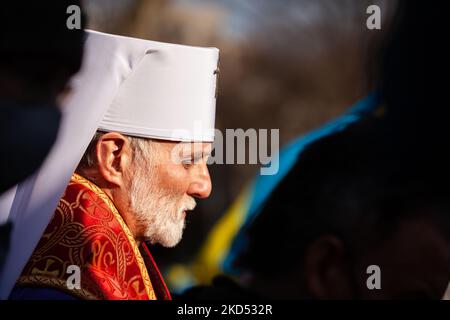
136, 87
168, 93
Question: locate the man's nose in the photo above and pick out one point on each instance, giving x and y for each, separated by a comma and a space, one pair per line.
201, 185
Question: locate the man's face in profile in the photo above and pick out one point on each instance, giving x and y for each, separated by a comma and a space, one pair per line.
163, 189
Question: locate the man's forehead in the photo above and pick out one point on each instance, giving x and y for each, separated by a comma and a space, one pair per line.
195, 147
183, 147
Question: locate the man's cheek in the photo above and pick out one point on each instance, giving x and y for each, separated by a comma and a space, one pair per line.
176, 176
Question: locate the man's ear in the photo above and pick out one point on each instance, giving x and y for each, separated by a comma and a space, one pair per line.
326, 269
114, 156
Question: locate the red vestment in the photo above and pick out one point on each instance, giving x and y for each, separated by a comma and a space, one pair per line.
87, 231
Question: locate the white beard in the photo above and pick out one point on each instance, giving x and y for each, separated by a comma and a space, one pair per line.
159, 218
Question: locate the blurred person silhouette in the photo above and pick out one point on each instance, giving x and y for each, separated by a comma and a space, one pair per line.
38, 56
356, 198
400, 93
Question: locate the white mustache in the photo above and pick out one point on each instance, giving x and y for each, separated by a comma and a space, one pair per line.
190, 206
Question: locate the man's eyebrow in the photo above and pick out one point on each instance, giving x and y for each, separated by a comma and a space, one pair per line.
196, 153
200, 154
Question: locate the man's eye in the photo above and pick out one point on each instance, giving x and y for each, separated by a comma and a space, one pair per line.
187, 163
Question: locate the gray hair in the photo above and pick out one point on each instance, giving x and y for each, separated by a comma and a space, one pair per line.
141, 148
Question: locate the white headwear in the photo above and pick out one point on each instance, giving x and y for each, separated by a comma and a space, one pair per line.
133, 86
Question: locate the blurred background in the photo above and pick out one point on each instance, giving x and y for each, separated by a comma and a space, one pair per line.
285, 64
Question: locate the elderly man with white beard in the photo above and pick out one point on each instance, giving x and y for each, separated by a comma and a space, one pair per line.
153, 188
137, 178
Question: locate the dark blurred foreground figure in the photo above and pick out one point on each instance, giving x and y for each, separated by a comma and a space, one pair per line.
374, 194
38, 55
408, 52
365, 196
354, 200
